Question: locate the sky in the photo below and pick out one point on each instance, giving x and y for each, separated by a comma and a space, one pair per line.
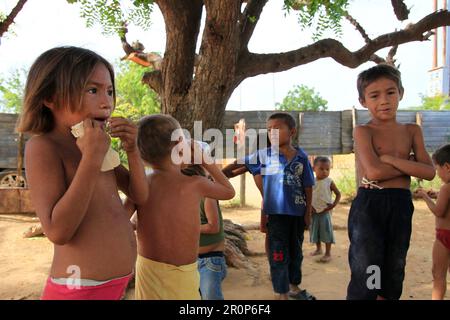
43, 24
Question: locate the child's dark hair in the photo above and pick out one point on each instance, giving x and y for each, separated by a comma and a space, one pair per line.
368, 76
319, 159
59, 75
286, 117
194, 170
442, 155
155, 137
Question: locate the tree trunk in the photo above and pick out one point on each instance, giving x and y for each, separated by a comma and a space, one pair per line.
202, 94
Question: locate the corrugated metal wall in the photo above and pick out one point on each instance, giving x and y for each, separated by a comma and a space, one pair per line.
8, 141
327, 133
331, 132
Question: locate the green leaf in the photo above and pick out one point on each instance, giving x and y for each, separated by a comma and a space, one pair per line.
113, 14
320, 15
134, 99
12, 90
252, 19
439, 102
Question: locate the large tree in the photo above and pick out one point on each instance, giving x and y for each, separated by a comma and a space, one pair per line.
302, 98
197, 86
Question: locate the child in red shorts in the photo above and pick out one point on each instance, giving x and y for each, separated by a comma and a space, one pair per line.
441, 209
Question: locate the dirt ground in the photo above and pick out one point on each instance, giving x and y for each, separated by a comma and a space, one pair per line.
24, 263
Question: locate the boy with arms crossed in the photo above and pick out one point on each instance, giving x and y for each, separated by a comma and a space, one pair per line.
379, 224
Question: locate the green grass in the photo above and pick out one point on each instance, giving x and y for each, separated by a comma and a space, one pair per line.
231, 204
434, 184
346, 183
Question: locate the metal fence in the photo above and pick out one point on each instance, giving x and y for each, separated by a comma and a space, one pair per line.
326, 132
331, 132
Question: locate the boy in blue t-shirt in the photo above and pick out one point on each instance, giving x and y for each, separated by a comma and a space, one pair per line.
286, 179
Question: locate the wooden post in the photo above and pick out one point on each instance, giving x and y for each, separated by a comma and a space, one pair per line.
299, 128
444, 38
357, 177
435, 40
19, 160
242, 190
419, 121
241, 148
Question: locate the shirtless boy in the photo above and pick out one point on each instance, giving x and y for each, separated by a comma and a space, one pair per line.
379, 224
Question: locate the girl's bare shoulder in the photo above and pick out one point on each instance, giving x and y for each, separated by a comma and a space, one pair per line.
40, 143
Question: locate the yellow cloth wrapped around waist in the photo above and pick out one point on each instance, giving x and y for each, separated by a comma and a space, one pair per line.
162, 281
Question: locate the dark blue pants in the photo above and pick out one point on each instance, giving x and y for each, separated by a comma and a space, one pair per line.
285, 250
379, 228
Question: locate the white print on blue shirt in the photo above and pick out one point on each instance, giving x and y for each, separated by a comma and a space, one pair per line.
283, 181
293, 175
270, 162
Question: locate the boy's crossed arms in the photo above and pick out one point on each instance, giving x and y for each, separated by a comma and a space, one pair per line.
382, 160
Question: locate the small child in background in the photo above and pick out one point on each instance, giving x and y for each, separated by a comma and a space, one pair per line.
321, 226
441, 209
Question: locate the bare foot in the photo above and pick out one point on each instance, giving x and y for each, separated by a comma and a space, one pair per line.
315, 253
281, 296
325, 259
33, 231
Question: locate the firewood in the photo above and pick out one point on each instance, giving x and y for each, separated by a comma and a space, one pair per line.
236, 250
233, 256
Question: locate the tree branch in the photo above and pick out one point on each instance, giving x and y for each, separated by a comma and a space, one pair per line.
4, 25
377, 59
400, 9
135, 52
249, 19
154, 80
123, 38
358, 27
390, 59
254, 64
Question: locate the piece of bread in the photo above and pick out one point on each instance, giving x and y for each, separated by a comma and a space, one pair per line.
77, 130
111, 159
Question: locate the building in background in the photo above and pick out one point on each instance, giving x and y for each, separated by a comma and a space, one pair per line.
439, 75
